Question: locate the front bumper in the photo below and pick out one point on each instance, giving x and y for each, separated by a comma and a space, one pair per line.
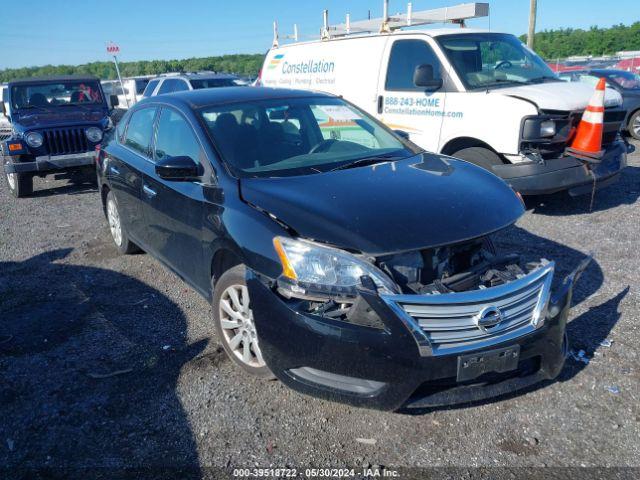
566, 173
48, 163
385, 369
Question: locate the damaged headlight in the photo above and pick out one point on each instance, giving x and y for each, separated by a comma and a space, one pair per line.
309, 268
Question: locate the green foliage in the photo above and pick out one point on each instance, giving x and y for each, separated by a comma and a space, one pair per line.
596, 41
239, 64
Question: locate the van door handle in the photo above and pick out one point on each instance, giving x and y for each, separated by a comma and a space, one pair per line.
148, 191
380, 103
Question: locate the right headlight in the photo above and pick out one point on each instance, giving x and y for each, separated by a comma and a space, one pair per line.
538, 127
94, 134
34, 139
310, 268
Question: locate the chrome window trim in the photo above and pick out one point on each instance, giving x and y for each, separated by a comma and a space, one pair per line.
482, 298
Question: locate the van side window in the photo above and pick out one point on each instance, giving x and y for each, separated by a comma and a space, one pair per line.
175, 137
405, 56
151, 86
140, 130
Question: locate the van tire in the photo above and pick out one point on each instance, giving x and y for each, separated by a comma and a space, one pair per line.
482, 157
235, 279
20, 184
634, 125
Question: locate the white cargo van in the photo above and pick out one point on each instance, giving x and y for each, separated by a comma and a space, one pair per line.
473, 94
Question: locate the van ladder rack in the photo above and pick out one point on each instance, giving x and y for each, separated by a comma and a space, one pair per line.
456, 14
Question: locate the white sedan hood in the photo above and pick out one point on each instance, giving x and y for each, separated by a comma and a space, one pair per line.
564, 96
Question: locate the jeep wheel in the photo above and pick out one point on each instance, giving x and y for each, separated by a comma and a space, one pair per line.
20, 184
634, 125
233, 322
118, 232
479, 156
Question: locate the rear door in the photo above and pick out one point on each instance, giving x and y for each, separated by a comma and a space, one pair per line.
174, 210
402, 105
126, 161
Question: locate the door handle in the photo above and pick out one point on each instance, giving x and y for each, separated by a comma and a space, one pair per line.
148, 191
380, 103
114, 170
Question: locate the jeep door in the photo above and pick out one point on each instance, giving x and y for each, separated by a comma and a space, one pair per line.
174, 210
125, 161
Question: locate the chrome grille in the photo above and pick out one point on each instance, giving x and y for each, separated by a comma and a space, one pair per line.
61, 141
448, 323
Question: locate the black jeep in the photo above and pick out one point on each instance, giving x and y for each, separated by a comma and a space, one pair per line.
56, 125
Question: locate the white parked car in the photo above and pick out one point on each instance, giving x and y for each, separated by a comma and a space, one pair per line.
132, 93
477, 95
170, 83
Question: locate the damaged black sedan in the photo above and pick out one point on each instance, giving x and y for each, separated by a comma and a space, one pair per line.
338, 256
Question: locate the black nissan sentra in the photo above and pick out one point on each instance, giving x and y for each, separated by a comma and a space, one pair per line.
338, 256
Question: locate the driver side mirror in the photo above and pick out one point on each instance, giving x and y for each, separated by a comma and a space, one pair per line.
423, 77
113, 99
178, 169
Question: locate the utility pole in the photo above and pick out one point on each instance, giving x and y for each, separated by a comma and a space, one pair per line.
532, 22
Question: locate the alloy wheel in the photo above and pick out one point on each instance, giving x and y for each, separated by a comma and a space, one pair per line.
636, 126
238, 328
114, 222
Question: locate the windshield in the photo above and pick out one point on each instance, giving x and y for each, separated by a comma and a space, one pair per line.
53, 94
213, 83
626, 80
274, 138
484, 60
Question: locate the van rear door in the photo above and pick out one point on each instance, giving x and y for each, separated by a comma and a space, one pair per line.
401, 105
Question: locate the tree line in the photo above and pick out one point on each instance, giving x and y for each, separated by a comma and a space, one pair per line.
240, 64
566, 42
550, 44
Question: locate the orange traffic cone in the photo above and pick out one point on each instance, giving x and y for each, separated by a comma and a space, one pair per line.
587, 143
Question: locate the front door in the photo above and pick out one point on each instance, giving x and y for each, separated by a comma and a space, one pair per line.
402, 105
174, 210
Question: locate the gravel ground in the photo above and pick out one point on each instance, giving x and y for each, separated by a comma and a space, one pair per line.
109, 361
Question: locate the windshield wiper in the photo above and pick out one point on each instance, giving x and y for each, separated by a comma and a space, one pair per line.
361, 162
83, 107
29, 107
543, 79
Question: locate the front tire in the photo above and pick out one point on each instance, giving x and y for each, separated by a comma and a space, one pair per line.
634, 125
118, 232
20, 184
482, 157
234, 325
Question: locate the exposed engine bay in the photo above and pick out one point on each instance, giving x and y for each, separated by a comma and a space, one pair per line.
463, 267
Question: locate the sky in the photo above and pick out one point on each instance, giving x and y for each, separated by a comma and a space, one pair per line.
76, 31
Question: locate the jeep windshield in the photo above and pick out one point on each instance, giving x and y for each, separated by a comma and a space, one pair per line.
49, 95
493, 60
301, 136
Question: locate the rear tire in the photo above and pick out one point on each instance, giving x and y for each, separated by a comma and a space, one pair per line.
20, 184
118, 232
233, 322
482, 157
634, 125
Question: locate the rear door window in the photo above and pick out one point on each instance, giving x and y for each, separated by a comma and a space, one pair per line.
180, 86
140, 130
151, 86
175, 137
405, 56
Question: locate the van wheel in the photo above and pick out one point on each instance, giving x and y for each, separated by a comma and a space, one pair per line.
634, 125
233, 322
479, 156
20, 184
118, 232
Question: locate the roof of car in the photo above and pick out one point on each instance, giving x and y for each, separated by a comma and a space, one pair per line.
54, 78
219, 96
200, 75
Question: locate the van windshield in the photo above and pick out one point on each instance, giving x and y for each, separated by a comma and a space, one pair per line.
301, 136
53, 94
490, 60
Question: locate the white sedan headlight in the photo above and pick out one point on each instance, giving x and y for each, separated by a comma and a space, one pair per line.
34, 139
312, 268
94, 134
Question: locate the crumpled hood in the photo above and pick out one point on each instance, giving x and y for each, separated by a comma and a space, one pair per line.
420, 202
564, 96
